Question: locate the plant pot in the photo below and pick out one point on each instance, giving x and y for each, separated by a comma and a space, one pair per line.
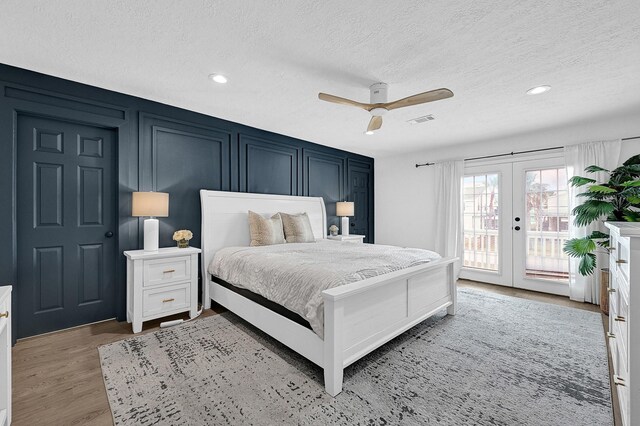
604, 290
183, 244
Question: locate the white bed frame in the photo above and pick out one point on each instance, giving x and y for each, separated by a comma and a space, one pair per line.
358, 317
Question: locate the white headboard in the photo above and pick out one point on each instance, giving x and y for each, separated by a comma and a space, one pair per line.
225, 220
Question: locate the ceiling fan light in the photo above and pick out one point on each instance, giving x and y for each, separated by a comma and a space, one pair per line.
538, 90
369, 132
218, 78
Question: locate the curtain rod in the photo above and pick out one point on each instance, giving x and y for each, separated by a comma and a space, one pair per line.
515, 153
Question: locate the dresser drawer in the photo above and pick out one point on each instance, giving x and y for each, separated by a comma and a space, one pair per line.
4, 308
622, 256
621, 327
621, 383
166, 299
165, 271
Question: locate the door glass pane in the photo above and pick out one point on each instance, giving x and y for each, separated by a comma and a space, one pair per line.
481, 221
546, 224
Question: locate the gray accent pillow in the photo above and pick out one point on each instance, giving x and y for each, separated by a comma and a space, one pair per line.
265, 231
297, 228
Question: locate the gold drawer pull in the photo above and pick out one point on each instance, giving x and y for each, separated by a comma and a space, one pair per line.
619, 261
611, 290
4, 314
168, 271
619, 318
618, 380
168, 300
611, 335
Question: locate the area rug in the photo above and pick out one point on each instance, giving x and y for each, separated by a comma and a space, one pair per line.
499, 361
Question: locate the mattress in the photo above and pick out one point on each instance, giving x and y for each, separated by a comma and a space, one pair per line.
294, 275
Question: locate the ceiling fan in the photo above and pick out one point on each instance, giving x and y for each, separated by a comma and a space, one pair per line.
379, 105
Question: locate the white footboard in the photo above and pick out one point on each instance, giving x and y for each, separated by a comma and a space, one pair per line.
362, 316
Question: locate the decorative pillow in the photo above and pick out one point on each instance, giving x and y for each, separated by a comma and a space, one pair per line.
297, 228
265, 232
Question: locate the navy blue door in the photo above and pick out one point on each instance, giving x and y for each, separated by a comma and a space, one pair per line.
66, 224
361, 189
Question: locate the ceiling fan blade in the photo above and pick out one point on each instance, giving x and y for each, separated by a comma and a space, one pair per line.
342, 101
375, 123
421, 98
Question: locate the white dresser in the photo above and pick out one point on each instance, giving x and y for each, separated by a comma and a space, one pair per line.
5, 355
161, 283
624, 312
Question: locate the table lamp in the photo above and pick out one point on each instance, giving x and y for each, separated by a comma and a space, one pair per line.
151, 204
345, 209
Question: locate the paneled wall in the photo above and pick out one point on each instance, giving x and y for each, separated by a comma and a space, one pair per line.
167, 149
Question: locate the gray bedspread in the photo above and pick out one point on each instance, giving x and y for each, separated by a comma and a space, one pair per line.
295, 274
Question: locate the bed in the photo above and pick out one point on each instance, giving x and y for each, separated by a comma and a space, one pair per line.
358, 317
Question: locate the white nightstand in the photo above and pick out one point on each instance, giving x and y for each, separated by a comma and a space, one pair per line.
358, 239
161, 283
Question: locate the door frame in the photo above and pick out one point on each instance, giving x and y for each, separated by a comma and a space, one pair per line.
126, 164
553, 159
520, 280
504, 274
22, 330
363, 167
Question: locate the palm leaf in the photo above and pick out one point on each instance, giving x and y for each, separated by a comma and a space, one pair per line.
631, 216
578, 247
587, 264
601, 189
632, 160
631, 183
595, 169
633, 199
590, 211
592, 195
597, 235
580, 181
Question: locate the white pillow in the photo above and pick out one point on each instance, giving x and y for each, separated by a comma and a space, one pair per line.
297, 228
265, 232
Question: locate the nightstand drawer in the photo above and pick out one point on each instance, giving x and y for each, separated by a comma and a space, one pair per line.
155, 301
352, 238
165, 271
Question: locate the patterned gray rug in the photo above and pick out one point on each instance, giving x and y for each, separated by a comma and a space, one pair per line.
500, 361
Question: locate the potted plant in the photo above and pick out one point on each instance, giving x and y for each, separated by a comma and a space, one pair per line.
617, 199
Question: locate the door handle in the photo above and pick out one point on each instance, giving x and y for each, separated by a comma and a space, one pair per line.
517, 219
353, 224
517, 228
108, 234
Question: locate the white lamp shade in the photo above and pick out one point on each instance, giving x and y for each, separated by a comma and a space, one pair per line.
150, 204
345, 208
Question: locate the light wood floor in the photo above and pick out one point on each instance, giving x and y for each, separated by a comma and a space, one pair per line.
57, 378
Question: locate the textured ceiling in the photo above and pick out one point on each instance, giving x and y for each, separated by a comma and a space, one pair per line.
279, 54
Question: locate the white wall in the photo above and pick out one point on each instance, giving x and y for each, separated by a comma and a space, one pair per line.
404, 195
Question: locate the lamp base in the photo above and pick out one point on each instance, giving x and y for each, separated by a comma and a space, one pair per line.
151, 227
345, 225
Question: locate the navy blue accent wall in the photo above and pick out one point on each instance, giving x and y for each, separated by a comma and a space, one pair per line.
169, 149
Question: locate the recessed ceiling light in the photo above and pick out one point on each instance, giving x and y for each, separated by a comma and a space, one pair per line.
218, 78
368, 132
538, 89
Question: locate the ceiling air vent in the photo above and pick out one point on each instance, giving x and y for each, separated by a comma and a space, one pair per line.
422, 119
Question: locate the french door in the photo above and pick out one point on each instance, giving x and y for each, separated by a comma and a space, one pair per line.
516, 218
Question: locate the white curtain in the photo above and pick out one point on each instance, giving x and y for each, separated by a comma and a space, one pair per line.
448, 185
604, 154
